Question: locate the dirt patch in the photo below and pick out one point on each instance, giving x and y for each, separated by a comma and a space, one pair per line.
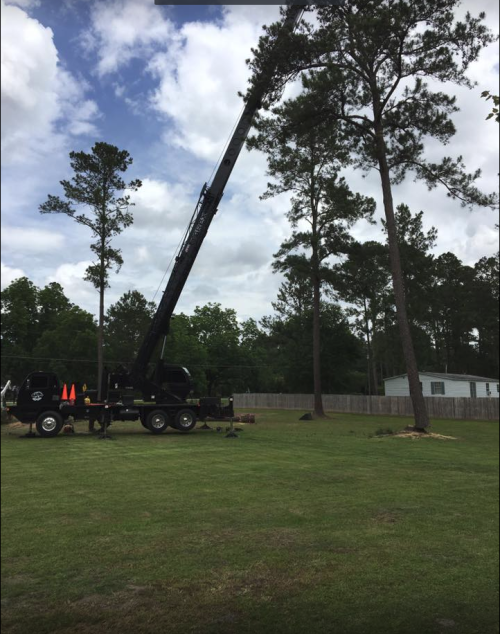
413, 434
416, 435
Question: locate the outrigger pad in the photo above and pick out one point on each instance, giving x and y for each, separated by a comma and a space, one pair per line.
307, 416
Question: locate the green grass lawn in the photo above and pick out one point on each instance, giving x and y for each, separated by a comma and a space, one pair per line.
294, 527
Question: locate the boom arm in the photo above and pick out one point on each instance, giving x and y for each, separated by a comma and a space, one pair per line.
204, 212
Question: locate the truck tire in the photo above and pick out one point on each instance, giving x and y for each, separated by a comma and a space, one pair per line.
49, 424
185, 420
157, 421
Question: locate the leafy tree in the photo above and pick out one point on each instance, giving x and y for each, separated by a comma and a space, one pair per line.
363, 66
453, 314
289, 342
67, 346
257, 375
416, 260
218, 332
27, 313
183, 347
51, 303
20, 314
126, 323
362, 280
98, 188
19, 328
485, 302
306, 162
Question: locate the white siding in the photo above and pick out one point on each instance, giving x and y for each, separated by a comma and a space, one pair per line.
399, 386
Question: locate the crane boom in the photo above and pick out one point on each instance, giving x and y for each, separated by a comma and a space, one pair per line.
203, 215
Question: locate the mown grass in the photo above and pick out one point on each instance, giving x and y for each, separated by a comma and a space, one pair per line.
295, 527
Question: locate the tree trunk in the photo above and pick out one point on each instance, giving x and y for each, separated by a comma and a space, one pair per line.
419, 408
100, 331
318, 400
368, 348
374, 364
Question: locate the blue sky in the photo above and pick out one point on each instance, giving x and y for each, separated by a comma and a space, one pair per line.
162, 83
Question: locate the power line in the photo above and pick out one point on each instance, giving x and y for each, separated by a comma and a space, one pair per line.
8, 356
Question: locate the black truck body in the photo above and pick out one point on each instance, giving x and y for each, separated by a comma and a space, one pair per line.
39, 401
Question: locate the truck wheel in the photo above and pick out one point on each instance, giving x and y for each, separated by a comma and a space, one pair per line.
49, 424
157, 421
185, 420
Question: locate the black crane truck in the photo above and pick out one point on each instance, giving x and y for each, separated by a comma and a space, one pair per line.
165, 390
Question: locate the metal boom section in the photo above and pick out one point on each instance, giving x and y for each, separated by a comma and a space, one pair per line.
203, 215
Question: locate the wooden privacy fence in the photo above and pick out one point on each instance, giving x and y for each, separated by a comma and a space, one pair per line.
438, 407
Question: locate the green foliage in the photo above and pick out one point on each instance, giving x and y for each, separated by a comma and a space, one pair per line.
183, 347
496, 102
364, 66
416, 261
20, 315
306, 162
218, 332
126, 323
289, 337
28, 313
71, 341
97, 185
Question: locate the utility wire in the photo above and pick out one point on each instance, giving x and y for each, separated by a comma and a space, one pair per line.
7, 356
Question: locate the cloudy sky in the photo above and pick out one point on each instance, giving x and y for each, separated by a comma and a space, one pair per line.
162, 82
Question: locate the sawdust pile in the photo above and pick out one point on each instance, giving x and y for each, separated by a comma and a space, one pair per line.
410, 432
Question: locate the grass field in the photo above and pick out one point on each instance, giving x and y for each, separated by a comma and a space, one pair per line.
295, 527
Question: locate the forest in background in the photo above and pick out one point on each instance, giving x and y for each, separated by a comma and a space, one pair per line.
453, 311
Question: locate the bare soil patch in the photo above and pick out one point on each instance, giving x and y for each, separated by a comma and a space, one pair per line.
414, 434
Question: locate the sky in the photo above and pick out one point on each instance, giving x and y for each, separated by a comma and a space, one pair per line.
162, 82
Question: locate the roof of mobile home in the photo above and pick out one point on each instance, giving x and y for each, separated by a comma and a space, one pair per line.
451, 377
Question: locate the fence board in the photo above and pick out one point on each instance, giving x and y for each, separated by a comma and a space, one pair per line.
437, 407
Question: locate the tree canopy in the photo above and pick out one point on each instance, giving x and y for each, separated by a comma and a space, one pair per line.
364, 67
95, 198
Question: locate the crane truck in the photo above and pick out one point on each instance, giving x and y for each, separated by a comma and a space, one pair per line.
165, 389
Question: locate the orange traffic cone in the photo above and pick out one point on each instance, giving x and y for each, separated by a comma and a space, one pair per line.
64, 396
72, 393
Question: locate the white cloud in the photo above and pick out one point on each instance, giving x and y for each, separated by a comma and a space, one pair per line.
199, 77
70, 277
160, 205
122, 31
197, 71
9, 274
41, 101
29, 240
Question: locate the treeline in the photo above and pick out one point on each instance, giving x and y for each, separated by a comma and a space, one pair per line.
41, 329
453, 310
